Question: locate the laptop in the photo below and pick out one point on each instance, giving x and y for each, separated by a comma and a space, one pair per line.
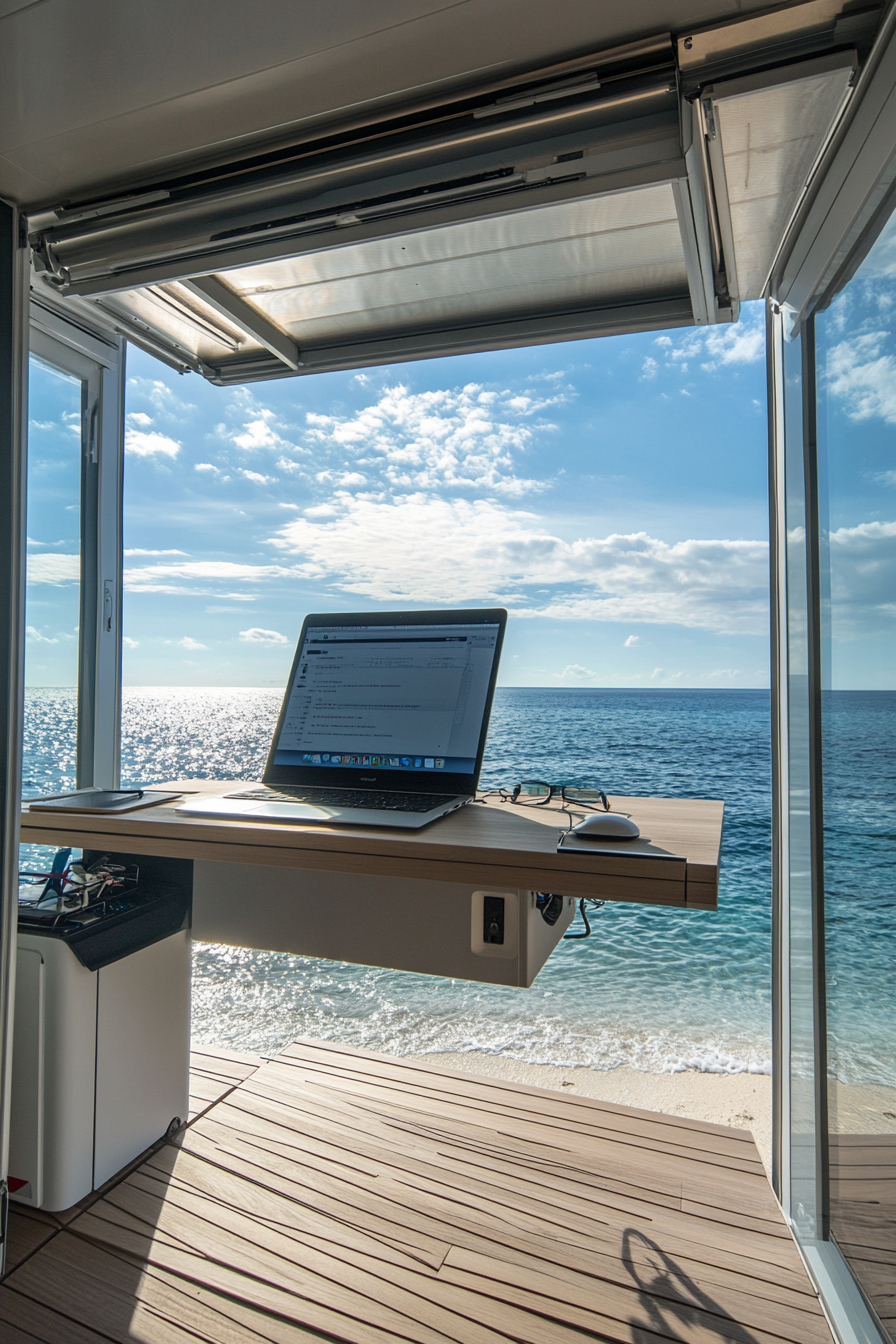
383, 722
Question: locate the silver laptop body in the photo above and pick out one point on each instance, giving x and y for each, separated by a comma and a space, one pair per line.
383, 722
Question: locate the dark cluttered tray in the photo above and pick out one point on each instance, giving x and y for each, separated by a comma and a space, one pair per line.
107, 906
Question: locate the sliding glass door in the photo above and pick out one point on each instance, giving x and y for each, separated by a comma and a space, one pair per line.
856, 433
833, 432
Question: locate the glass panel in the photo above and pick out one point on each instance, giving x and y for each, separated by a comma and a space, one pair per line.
53, 590
857, 462
798, 849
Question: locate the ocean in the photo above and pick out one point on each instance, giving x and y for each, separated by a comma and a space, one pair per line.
656, 989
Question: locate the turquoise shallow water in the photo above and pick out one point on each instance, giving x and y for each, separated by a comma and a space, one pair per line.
656, 989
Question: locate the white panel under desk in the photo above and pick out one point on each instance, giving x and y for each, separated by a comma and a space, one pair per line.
143, 1051
58, 1019
407, 924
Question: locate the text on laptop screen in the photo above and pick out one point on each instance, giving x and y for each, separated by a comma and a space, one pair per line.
394, 697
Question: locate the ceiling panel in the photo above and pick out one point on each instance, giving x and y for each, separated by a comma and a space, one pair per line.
95, 94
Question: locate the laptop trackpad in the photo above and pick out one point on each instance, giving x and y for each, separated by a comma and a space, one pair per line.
292, 811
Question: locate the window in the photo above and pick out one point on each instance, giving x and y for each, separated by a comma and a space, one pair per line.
856, 372
834, 660
58, 399
74, 558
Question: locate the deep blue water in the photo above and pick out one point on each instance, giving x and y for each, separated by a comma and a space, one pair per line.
859, 752
657, 989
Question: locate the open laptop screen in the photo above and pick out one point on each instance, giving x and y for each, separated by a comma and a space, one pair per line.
394, 699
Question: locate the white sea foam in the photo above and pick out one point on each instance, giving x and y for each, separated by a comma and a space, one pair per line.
259, 1002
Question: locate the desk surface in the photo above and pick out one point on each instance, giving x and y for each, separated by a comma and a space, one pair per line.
675, 861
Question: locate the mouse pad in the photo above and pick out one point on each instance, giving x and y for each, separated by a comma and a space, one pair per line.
570, 843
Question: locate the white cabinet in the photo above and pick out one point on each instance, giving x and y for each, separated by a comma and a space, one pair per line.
100, 1063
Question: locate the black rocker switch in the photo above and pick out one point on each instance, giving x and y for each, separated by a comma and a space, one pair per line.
493, 919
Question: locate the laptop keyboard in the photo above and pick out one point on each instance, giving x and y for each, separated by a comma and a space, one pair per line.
366, 798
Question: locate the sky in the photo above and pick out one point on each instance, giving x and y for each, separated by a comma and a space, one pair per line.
856, 354
612, 493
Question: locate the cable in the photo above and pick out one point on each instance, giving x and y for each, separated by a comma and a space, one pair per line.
598, 905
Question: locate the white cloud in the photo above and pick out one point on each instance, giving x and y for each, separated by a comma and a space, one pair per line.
191, 644
138, 550
261, 431
206, 466
743, 343
256, 635
863, 577
161, 398
886, 478
631, 641
864, 377
258, 434
42, 424
422, 549
204, 569
256, 477
143, 444
740, 343
649, 368
55, 569
574, 672
179, 578
460, 438
139, 418
130, 643
34, 636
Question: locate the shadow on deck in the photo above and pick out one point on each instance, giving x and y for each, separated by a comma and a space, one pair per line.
339, 1194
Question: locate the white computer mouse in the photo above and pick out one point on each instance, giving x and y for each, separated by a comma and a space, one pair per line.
606, 826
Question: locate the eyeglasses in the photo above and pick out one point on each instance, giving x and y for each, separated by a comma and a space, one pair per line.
538, 793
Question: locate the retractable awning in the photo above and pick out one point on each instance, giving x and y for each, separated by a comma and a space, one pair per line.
648, 186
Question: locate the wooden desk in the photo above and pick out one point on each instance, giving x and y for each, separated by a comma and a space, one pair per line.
675, 862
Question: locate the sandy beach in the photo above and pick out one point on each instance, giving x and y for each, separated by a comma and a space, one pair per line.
741, 1100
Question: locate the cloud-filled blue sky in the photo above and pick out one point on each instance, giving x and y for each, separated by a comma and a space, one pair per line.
611, 493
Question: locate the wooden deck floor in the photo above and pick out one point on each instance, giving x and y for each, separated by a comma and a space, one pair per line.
863, 1215
336, 1194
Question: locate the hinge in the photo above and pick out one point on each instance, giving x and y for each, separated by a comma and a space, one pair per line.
90, 425
709, 117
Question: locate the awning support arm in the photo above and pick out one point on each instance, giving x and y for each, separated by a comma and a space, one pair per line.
229, 304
